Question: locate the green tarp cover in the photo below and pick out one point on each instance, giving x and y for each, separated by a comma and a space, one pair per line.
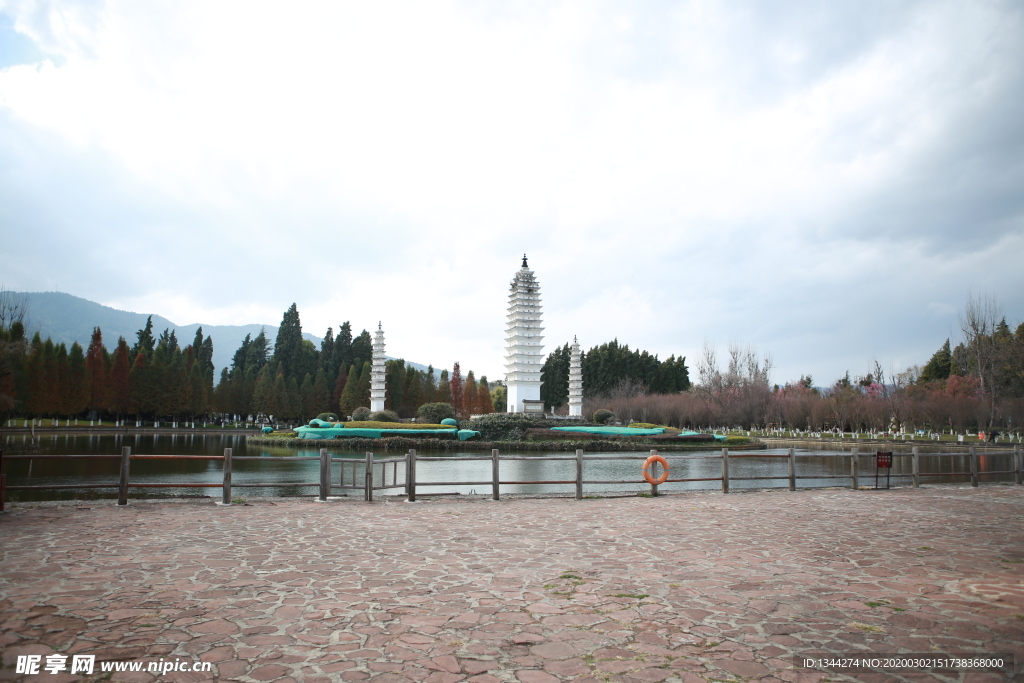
622, 431
333, 432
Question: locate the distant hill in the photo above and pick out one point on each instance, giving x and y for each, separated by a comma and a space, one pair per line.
66, 318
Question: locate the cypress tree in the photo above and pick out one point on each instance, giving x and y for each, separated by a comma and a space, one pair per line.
429, 386
412, 392
145, 343
258, 353
119, 388
78, 381
349, 400
470, 397
394, 379
339, 388
95, 368
444, 389
363, 386
288, 345
321, 396
362, 349
343, 346
484, 404
197, 391
554, 377
263, 393
306, 399
938, 368
458, 390
61, 403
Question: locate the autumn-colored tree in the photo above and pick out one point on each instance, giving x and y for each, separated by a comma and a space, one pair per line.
470, 397
484, 403
444, 389
458, 390
96, 370
78, 381
119, 387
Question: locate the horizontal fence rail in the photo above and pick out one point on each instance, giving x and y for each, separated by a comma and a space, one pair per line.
371, 475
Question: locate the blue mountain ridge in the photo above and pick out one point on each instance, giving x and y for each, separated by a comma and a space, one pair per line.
68, 319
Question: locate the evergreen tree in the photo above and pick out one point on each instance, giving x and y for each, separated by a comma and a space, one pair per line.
197, 391
412, 393
258, 353
362, 348
321, 395
306, 399
444, 389
394, 379
470, 398
35, 372
263, 392
279, 399
343, 346
238, 360
60, 376
294, 399
938, 368
429, 385
78, 381
363, 385
288, 345
145, 342
349, 400
554, 377
339, 388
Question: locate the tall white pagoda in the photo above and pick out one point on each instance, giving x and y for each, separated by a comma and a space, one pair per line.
377, 371
523, 348
575, 380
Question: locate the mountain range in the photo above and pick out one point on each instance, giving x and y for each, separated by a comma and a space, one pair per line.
68, 319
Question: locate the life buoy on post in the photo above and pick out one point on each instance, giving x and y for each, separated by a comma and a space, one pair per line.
647, 464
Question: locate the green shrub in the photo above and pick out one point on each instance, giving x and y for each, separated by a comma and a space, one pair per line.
368, 424
647, 425
507, 426
361, 414
327, 417
385, 416
603, 416
435, 412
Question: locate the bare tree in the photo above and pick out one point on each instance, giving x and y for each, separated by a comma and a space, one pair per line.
978, 323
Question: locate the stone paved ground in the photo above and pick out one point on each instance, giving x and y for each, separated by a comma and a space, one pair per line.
693, 587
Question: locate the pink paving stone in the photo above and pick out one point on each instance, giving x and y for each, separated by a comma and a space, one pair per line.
535, 676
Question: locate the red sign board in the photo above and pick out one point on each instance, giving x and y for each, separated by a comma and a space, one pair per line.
883, 459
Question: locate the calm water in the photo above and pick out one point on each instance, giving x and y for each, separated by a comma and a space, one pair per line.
689, 465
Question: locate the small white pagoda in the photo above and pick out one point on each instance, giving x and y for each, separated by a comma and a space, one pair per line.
377, 371
575, 380
523, 348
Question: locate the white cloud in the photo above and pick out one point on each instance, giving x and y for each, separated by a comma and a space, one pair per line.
790, 176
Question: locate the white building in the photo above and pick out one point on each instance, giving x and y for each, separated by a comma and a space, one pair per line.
575, 380
523, 348
377, 371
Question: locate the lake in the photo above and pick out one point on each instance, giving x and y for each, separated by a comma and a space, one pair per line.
691, 465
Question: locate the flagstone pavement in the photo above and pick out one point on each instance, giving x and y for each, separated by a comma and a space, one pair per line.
691, 587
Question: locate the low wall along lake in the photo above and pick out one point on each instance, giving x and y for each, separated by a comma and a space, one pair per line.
747, 471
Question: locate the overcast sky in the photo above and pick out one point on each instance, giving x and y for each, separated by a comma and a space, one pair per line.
826, 181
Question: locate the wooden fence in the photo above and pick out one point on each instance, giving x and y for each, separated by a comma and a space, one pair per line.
362, 474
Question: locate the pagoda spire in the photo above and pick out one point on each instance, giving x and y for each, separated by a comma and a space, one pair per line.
575, 380
377, 391
523, 347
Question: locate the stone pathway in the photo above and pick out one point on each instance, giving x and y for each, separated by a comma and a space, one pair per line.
693, 587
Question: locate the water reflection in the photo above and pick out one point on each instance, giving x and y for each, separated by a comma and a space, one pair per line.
816, 469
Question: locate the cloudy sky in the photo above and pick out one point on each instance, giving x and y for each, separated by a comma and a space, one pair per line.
826, 181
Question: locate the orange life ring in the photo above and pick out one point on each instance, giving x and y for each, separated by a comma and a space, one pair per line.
664, 475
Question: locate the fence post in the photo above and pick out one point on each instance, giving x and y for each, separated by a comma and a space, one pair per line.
369, 477
974, 465
325, 474
654, 474
853, 469
792, 469
579, 474
494, 474
122, 489
1016, 451
226, 493
725, 470
410, 474
917, 467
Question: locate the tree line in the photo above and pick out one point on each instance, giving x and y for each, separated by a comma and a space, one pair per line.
976, 385
156, 377
612, 369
